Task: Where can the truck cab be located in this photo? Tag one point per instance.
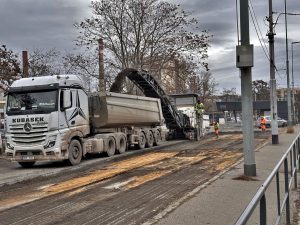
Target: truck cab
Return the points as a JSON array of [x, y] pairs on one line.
[[46, 119]]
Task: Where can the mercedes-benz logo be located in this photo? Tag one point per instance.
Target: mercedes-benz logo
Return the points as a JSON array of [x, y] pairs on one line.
[[27, 127]]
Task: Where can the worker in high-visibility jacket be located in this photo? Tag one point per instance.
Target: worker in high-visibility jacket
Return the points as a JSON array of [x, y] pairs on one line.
[[216, 128], [199, 108], [263, 124]]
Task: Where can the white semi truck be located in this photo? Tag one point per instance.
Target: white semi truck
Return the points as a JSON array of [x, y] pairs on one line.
[[53, 118]]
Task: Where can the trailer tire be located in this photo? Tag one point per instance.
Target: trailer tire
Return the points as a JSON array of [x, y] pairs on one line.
[[111, 146], [122, 144], [142, 140], [150, 139], [27, 164], [75, 152], [157, 137]]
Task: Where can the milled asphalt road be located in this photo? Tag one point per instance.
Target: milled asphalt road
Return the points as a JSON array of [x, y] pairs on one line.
[[222, 201], [12, 172]]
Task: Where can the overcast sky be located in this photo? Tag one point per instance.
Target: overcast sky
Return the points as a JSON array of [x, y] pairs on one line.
[[30, 24]]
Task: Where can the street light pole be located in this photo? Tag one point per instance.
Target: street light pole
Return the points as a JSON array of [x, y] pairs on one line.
[[287, 71], [273, 96], [293, 84]]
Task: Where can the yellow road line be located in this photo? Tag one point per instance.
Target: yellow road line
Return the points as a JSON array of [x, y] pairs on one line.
[[80, 182]]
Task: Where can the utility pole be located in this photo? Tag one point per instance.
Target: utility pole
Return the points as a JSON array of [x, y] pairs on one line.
[[273, 94], [295, 119], [101, 67], [287, 71], [244, 53], [25, 64]]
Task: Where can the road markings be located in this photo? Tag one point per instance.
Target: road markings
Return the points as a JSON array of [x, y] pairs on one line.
[[139, 180], [80, 182], [108, 172], [118, 185]]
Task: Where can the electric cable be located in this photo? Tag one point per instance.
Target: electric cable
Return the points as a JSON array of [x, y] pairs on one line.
[[256, 30], [237, 22], [255, 17]]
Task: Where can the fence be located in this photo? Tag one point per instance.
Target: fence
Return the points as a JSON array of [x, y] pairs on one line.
[[290, 159]]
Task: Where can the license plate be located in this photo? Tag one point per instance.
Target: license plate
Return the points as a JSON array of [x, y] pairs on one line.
[[28, 157]]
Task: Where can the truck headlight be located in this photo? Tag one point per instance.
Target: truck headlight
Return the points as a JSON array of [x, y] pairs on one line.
[[51, 142], [9, 146]]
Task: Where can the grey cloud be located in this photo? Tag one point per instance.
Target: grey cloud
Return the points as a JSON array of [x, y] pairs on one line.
[[27, 24], [39, 24]]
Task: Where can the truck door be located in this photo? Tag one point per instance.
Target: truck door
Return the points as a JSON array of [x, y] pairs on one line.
[[77, 114], [74, 113]]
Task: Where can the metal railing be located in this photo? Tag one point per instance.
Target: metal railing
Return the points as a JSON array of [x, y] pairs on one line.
[[290, 159]]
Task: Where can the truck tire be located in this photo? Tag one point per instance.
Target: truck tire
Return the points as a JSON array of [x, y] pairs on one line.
[[150, 139], [122, 144], [27, 164], [111, 146], [157, 138], [75, 152], [142, 140]]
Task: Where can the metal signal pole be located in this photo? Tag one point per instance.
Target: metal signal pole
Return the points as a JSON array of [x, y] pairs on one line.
[[244, 53], [273, 95]]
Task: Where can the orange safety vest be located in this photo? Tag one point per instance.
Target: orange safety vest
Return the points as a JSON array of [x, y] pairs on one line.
[[263, 123]]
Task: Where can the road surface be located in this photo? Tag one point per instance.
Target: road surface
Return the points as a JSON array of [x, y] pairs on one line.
[[128, 189]]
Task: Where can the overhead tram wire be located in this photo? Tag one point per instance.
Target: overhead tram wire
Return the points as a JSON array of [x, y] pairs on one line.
[[255, 17], [237, 22], [264, 47], [280, 13], [257, 33], [276, 22]]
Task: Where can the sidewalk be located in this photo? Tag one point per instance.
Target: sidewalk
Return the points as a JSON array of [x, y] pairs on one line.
[[223, 200]]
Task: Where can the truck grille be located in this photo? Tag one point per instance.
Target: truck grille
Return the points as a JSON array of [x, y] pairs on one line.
[[36, 136]]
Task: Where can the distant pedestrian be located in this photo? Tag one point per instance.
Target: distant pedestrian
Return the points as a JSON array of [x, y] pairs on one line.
[[216, 128], [263, 124]]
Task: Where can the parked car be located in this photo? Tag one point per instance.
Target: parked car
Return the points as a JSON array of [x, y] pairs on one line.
[[281, 122]]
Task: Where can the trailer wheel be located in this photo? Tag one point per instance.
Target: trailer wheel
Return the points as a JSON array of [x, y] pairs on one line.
[[75, 152], [157, 137], [142, 140], [111, 146], [122, 144], [27, 164], [150, 139]]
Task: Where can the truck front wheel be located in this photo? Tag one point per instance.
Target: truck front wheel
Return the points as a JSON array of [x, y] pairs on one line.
[[26, 164], [75, 152]]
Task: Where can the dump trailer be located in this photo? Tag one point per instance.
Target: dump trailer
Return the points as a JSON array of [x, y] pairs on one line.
[[54, 118]]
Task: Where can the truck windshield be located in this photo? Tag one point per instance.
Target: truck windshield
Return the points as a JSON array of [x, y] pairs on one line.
[[31, 102]]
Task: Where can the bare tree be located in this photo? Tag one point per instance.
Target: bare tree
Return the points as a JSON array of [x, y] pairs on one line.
[[144, 34], [86, 64], [9, 67], [44, 62], [230, 95], [206, 85], [179, 77]]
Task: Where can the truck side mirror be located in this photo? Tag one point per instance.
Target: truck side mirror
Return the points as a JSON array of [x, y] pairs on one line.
[[66, 99]]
